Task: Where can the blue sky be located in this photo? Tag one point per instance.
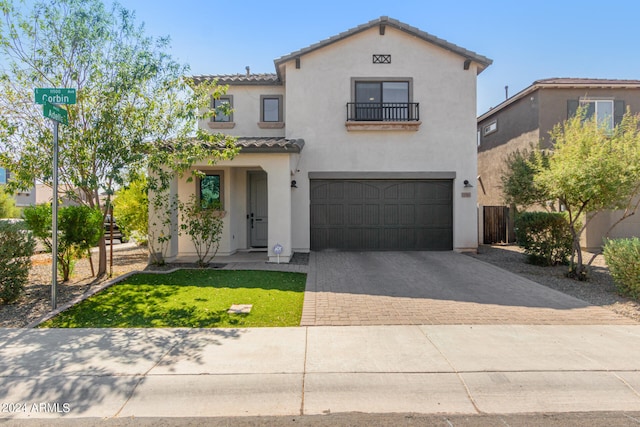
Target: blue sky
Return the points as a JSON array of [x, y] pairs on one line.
[[527, 40]]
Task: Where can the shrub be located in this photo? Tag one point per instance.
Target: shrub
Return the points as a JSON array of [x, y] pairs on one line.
[[545, 237], [623, 258], [16, 248], [79, 228], [204, 226]]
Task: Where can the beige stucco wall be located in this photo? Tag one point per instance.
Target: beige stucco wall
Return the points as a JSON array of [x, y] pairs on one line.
[[317, 95], [492, 164], [235, 195], [246, 114], [600, 224]]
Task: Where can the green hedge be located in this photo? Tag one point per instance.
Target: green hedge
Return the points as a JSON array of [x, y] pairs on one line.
[[545, 237], [623, 258], [16, 248]]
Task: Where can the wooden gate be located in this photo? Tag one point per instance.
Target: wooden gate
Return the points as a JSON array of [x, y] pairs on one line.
[[497, 226]]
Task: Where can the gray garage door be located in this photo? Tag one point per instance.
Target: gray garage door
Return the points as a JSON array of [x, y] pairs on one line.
[[381, 215]]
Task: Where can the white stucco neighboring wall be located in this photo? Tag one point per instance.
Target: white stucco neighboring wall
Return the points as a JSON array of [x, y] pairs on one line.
[[317, 95]]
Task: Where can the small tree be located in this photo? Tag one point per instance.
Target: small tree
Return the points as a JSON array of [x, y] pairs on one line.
[[592, 168], [8, 206], [80, 228], [131, 207], [203, 224], [16, 248], [518, 186]]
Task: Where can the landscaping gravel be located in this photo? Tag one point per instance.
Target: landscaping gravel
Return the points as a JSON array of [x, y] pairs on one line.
[[36, 302], [599, 290]]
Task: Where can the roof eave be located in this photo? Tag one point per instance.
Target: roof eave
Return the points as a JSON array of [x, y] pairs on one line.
[[482, 61]]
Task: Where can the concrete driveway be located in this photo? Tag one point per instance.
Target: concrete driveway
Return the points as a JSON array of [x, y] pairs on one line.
[[433, 288]]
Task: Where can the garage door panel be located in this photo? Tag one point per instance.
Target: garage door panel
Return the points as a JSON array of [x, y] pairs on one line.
[[381, 215]]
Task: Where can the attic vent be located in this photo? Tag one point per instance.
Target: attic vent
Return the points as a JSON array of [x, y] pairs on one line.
[[381, 59]]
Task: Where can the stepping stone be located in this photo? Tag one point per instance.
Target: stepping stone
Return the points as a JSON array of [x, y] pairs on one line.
[[240, 309]]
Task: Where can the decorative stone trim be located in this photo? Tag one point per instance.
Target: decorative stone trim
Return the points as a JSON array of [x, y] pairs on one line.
[[359, 126], [271, 125], [221, 125]]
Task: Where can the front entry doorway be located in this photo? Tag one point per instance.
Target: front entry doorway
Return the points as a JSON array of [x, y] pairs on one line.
[[258, 219]]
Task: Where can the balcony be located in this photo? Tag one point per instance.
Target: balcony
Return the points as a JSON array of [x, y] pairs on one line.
[[383, 116]]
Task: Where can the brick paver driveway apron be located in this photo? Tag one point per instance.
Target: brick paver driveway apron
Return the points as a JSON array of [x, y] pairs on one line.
[[408, 288]]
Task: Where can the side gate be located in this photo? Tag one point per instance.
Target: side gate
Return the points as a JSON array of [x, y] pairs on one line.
[[497, 225]]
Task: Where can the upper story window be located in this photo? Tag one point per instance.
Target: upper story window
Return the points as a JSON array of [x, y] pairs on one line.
[[607, 112], [490, 128], [602, 110], [271, 112], [221, 106], [382, 100], [223, 117]]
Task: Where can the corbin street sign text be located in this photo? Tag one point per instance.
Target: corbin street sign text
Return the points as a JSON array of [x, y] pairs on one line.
[[55, 95]]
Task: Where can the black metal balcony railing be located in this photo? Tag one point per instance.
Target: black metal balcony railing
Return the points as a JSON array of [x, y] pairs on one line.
[[383, 111]]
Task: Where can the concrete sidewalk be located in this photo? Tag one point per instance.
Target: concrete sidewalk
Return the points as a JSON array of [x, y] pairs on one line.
[[434, 369]]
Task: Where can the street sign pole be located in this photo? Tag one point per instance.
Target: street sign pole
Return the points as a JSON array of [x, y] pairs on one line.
[[50, 99], [54, 221]]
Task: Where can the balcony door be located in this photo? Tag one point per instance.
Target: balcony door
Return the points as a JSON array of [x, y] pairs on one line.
[[382, 100]]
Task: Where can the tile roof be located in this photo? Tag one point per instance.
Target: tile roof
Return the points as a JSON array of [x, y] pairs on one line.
[[241, 79], [483, 61], [569, 81], [563, 83], [269, 145]]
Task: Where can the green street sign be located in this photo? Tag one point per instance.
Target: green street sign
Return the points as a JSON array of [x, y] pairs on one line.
[[56, 113], [55, 95]]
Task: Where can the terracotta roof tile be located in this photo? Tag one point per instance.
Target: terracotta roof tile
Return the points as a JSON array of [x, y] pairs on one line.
[[269, 145], [241, 79]]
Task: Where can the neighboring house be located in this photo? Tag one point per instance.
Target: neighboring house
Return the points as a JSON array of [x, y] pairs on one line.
[[363, 141], [38, 194], [525, 119]]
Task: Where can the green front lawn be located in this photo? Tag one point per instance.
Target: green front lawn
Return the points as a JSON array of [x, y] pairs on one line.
[[191, 299]]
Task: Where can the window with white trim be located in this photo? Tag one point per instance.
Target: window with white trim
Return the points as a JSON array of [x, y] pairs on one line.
[[490, 128], [601, 109]]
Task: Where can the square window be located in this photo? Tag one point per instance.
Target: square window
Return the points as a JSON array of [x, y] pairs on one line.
[[271, 108], [222, 108], [602, 110]]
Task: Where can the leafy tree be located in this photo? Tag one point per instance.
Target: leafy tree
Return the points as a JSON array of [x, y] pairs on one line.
[[592, 168], [131, 206], [518, 185], [132, 100], [79, 227], [8, 206]]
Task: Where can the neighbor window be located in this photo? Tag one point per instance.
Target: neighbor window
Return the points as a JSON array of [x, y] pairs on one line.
[[380, 99], [211, 190], [490, 128], [3, 176], [602, 110], [217, 104], [271, 108]]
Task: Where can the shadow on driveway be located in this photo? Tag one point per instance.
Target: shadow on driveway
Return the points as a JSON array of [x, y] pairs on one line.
[[433, 288]]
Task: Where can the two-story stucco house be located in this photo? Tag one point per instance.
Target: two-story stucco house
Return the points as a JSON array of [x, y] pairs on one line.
[[363, 141], [524, 120]]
